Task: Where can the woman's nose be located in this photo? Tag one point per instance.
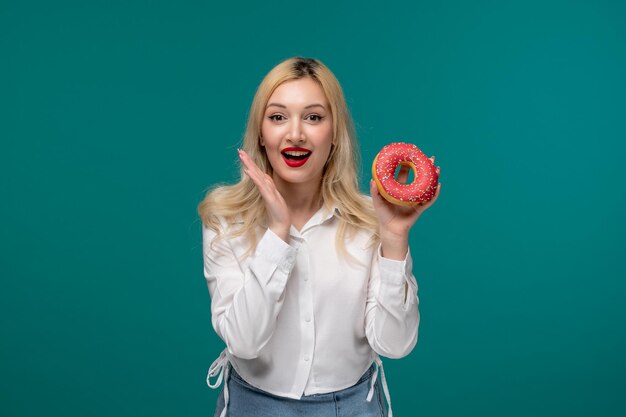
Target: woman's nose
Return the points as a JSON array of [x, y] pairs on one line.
[[295, 132]]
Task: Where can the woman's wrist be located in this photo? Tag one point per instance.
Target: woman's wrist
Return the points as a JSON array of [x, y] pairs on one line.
[[281, 232], [394, 246]]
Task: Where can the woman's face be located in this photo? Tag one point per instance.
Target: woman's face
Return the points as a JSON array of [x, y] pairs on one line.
[[297, 132]]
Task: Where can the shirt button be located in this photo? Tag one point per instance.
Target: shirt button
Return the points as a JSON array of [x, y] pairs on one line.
[[307, 319], [306, 278], [306, 358]]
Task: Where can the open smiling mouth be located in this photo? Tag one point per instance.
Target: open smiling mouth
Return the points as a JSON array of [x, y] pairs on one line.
[[295, 157]]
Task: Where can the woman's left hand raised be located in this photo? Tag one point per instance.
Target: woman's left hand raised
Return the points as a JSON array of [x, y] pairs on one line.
[[396, 221]]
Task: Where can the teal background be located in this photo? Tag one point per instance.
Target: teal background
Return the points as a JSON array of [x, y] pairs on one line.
[[115, 117]]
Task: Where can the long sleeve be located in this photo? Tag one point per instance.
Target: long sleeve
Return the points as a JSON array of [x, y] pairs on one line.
[[246, 294], [391, 314]]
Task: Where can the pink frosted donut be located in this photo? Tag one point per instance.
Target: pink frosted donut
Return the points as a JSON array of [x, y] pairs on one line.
[[424, 185]]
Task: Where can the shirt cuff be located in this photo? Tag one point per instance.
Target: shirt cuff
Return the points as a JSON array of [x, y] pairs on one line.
[[272, 253], [392, 270]]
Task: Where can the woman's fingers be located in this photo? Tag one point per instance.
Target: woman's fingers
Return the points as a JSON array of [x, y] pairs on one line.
[[252, 170], [261, 179], [376, 197], [432, 200], [247, 162]]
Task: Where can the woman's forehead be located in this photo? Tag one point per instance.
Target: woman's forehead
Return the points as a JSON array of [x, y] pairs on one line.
[[303, 93]]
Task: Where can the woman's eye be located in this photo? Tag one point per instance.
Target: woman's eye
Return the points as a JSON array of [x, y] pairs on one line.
[[315, 117], [276, 117]]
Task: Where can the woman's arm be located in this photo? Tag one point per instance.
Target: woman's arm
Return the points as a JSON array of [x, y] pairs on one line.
[[245, 301], [392, 315]]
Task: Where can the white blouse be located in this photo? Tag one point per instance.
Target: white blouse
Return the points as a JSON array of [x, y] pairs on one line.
[[299, 318]]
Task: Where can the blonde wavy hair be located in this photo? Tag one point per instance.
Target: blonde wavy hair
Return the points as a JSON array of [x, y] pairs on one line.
[[242, 202]]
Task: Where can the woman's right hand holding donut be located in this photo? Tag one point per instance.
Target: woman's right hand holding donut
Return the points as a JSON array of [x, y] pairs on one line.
[[278, 217]]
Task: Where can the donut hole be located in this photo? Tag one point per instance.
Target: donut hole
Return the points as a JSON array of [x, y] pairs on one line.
[[411, 177]]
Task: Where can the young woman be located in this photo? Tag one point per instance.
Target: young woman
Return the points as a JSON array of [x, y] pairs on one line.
[[310, 280]]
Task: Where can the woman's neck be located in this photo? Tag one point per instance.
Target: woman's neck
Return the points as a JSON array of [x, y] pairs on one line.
[[303, 200]]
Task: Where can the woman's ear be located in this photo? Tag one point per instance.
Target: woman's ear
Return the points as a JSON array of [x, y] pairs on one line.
[[261, 141]]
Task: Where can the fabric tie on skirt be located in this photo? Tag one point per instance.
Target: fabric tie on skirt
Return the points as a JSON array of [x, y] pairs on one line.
[[379, 363], [220, 367]]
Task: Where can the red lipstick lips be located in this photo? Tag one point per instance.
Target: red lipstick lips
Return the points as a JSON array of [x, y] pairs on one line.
[[295, 157]]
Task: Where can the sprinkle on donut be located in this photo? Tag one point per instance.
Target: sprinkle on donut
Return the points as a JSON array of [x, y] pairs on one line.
[[424, 185]]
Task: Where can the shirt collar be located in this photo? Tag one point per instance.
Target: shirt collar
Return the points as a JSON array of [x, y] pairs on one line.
[[329, 212], [324, 214]]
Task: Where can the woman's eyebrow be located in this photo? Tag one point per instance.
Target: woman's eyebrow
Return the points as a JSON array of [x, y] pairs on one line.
[[284, 107]]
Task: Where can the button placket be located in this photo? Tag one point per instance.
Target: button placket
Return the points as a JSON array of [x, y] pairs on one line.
[[307, 315], [307, 308], [307, 338]]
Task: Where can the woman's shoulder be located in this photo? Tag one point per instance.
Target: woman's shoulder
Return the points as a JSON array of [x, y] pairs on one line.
[[224, 236]]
